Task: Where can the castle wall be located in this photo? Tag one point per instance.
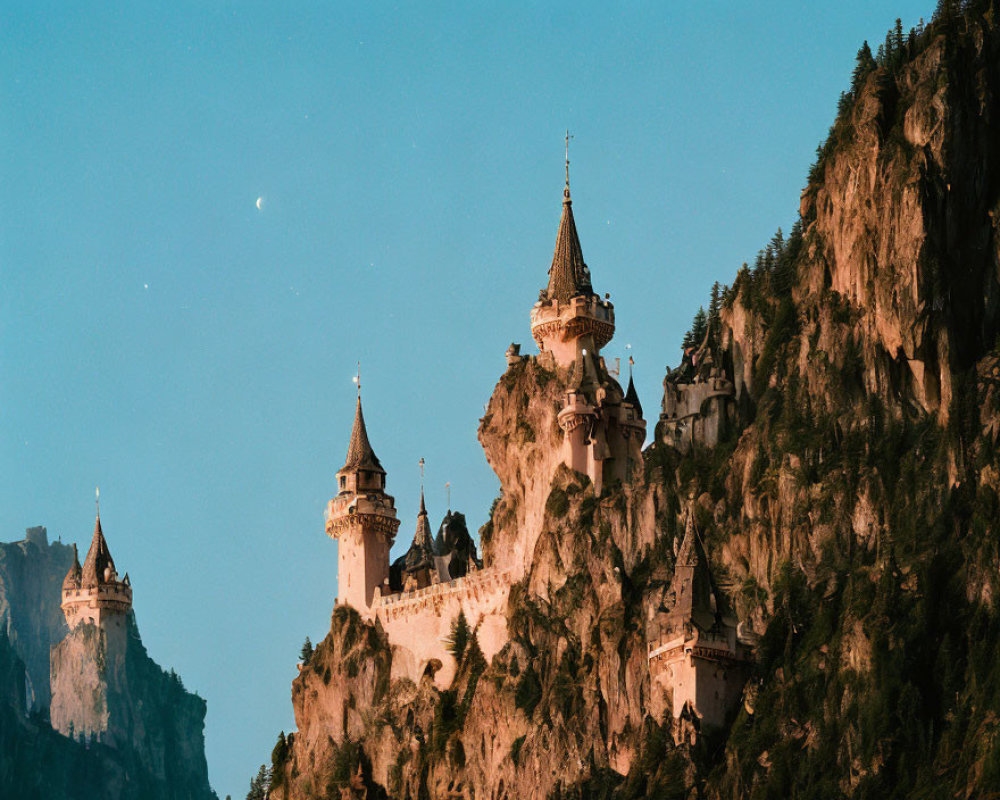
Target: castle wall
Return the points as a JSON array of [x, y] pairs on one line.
[[696, 413], [703, 672], [418, 622]]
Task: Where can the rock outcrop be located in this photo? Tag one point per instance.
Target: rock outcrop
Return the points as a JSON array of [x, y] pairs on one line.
[[31, 574]]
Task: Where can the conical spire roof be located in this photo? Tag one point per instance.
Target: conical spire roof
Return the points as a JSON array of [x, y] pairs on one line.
[[98, 558], [568, 275], [359, 452], [421, 552], [692, 583], [632, 396], [75, 573]]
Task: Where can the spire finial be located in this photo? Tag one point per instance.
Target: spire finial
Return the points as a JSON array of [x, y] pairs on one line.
[[566, 192], [631, 361], [357, 379], [423, 508], [447, 487], [97, 500]]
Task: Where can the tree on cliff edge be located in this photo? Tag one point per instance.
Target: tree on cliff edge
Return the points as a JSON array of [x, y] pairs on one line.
[[260, 785]]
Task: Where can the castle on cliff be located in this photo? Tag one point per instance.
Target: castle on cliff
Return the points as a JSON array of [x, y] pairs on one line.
[[417, 598], [83, 667]]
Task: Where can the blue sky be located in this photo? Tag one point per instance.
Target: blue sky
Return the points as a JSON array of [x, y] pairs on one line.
[[162, 337]]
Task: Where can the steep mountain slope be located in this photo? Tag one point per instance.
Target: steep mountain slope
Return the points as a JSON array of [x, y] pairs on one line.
[[851, 518]]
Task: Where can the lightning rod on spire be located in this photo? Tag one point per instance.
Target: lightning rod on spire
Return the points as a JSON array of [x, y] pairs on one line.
[[97, 499], [568, 137], [357, 380]]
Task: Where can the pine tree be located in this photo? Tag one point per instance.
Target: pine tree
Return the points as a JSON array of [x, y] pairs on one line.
[[260, 785], [714, 304], [458, 638], [897, 40], [864, 63], [307, 651], [699, 326]]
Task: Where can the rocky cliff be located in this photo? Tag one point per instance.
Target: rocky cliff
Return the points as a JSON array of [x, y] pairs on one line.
[[851, 517], [151, 743], [31, 575]]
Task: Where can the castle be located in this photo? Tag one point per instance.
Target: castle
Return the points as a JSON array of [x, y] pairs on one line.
[[84, 665], [417, 598], [697, 652], [93, 593]]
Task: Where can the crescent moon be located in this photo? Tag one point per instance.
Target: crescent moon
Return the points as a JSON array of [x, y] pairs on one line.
[[260, 203]]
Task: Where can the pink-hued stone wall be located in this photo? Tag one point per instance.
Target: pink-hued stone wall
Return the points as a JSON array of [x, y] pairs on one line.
[[418, 623]]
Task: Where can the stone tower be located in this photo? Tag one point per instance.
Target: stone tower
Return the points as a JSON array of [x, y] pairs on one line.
[[697, 655], [569, 317], [87, 668], [603, 428], [362, 517], [94, 593]]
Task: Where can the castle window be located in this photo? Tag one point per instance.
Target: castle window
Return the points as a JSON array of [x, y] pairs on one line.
[[343, 482]]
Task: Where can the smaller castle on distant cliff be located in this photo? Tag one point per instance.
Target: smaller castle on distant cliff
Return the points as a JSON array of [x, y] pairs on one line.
[[84, 666], [94, 593]]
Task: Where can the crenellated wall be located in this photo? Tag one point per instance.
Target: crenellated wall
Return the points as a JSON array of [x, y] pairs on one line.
[[419, 622]]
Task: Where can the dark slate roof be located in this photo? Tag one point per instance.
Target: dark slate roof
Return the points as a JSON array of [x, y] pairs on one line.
[[359, 452], [568, 275], [421, 552], [98, 558], [693, 601], [632, 396], [75, 573]]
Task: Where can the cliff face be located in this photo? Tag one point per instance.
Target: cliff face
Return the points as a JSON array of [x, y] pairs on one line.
[[31, 575], [120, 727], [851, 518]]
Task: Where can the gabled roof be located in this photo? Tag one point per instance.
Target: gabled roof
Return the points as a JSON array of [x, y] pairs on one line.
[[98, 558], [359, 452], [421, 552], [568, 275]]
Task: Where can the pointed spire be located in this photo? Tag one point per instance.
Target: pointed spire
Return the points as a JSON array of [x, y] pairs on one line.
[[72, 579], [98, 558], [359, 452], [568, 275], [694, 596], [688, 555], [421, 552], [632, 396]]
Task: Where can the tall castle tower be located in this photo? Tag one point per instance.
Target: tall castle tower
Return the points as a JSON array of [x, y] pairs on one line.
[[362, 517], [603, 428], [93, 593], [569, 317]]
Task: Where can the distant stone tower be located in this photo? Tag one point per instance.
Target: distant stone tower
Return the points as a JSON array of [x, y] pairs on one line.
[[362, 517], [94, 593], [602, 425], [86, 669], [697, 651]]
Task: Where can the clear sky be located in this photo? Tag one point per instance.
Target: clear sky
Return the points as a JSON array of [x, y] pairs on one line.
[[192, 354]]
